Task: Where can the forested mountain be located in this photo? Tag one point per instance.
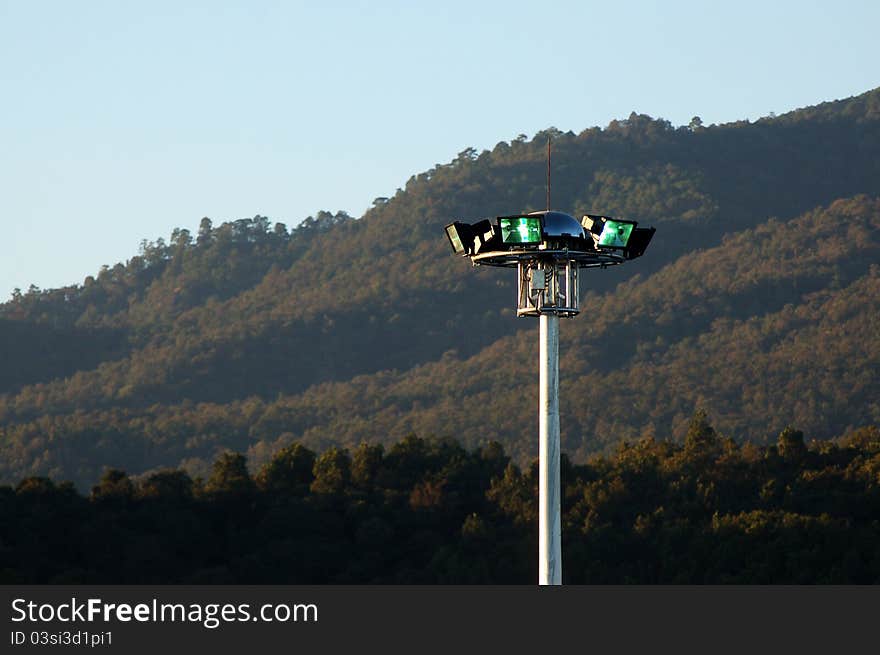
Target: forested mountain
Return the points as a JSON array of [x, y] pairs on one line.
[[756, 300]]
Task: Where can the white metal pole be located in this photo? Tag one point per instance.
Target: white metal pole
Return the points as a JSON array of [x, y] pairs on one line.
[[549, 518]]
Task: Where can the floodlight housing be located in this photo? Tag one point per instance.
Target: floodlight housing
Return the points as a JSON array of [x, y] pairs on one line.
[[486, 236], [468, 240], [613, 234], [593, 224], [460, 237], [638, 241]]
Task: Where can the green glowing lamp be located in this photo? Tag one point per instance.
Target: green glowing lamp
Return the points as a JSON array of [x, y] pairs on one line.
[[520, 229]]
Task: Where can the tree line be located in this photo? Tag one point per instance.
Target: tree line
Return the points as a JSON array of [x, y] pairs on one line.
[[707, 510]]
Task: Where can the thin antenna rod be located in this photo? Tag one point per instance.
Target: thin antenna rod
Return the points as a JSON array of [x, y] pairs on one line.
[[548, 172]]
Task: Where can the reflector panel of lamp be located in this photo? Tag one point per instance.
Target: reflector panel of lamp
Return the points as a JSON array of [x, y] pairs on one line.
[[520, 229], [615, 234]]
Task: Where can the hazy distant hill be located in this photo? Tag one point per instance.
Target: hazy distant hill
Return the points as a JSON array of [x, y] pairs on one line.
[[248, 335]]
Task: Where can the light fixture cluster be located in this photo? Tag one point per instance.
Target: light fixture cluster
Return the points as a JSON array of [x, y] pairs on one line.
[[549, 230]]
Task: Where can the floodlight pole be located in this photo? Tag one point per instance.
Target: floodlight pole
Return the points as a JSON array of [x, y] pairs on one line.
[[547, 287], [549, 515]]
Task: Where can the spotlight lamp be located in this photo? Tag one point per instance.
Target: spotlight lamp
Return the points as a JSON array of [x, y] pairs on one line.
[[616, 234], [472, 239], [523, 230]]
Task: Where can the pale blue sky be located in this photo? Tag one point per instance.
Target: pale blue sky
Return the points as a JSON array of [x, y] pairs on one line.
[[120, 120]]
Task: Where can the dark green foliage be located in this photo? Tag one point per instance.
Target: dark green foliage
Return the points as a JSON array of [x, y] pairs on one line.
[[230, 477], [115, 486], [791, 444], [428, 511], [169, 485], [290, 471], [332, 472]]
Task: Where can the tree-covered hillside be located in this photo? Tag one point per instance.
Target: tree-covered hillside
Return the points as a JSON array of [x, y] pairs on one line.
[[248, 335]]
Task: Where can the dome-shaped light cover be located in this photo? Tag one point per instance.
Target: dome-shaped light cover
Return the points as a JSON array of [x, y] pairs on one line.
[[559, 224]]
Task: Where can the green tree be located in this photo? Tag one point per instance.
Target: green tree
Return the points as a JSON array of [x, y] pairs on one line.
[[332, 472], [115, 485], [791, 444], [168, 485], [701, 437], [206, 234], [230, 477], [290, 471], [366, 465]]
